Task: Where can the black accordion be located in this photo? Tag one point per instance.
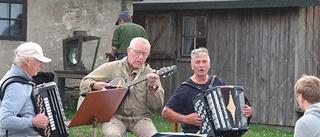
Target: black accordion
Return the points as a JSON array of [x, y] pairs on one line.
[[221, 110], [47, 100]]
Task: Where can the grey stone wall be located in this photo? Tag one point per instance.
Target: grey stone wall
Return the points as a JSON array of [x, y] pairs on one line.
[[50, 21]]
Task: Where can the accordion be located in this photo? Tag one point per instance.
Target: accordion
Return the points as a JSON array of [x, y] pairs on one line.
[[221, 111], [47, 100]]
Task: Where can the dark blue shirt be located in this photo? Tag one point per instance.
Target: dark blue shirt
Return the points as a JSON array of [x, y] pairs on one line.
[[181, 100]]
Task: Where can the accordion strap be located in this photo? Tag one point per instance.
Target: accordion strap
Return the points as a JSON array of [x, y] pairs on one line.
[[213, 79], [13, 79], [17, 79]]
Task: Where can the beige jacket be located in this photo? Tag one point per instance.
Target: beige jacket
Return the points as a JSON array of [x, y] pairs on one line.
[[140, 100]]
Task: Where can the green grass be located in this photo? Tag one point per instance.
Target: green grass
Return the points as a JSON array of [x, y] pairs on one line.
[[255, 130]]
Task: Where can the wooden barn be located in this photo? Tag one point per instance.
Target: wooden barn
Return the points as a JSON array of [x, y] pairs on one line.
[[262, 45]]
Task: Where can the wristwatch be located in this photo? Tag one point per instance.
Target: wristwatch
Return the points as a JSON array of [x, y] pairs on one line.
[[153, 87]]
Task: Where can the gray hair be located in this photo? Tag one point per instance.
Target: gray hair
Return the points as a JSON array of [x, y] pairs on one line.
[[202, 51], [142, 40], [18, 60]]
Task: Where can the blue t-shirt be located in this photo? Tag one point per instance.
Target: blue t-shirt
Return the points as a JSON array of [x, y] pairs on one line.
[[181, 100]]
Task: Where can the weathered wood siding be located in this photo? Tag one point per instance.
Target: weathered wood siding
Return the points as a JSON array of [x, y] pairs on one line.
[[266, 51], [251, 48], [263, 50]]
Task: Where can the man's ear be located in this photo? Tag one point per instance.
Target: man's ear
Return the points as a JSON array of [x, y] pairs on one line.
[[120, 21], [27, 61]]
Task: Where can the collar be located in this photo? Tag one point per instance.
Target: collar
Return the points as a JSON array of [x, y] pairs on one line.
[[125, 62], [17, 71]]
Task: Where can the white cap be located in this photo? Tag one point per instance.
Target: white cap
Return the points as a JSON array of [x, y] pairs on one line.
[[31, 49]]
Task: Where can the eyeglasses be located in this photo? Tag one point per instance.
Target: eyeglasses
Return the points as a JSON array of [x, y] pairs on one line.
[[138, 52]]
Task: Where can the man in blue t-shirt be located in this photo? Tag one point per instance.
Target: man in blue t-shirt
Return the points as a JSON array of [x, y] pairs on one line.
[[180, 108]]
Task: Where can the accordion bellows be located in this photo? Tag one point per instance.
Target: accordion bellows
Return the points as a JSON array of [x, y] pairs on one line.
[[48, 101], [221, 110]]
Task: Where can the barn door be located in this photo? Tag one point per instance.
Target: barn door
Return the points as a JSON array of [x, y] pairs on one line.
[[162, 36]]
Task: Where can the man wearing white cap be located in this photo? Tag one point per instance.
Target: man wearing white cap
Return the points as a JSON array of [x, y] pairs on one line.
[[17, 116]]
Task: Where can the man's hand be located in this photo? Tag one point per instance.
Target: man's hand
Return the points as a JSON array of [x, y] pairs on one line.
[[152, 78], [247, 111], [40, 121], [193, 119], [100, 85], [113, 51]]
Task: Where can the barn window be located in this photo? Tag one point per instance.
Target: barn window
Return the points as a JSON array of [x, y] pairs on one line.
[[13, 19], [194, 33]]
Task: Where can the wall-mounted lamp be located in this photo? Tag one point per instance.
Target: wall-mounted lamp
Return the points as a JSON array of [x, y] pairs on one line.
[[80, 51]]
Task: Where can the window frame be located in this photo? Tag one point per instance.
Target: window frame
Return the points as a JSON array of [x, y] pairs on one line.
[[23, 35], [193, 36]]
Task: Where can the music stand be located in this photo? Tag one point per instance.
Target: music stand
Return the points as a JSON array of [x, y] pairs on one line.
[[98, 107], [178, 134]]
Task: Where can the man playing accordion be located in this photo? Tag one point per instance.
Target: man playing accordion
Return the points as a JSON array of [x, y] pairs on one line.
[[180, 107], [17, 115]]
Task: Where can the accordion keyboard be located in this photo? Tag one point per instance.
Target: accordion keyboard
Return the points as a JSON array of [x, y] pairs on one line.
[[200, 108], [48, 101]]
